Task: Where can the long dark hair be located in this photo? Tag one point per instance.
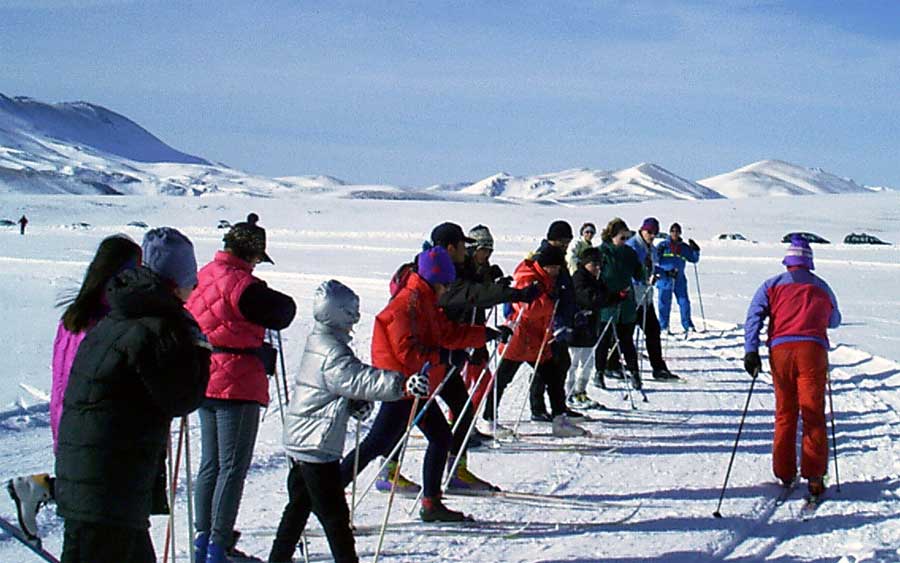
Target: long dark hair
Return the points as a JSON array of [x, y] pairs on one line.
[[114, 254]]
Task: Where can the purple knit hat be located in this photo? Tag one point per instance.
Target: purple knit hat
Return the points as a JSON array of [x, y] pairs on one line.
[[651, 225], [799, 254], [436, 266]]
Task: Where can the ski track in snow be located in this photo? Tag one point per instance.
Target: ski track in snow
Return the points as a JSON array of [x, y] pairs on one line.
[[668, 463]]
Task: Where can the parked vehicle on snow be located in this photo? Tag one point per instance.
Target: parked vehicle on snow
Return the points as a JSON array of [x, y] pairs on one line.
[[808, 237], [863, 238]]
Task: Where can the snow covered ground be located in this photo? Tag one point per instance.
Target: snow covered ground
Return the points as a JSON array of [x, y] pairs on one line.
[[664, 475]]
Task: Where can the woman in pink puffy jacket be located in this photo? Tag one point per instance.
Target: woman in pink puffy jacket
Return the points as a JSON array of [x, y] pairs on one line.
[[115, 253]]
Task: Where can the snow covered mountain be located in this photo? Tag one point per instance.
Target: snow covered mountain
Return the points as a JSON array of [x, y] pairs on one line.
[[81, 123], [778, 178], [643, 182]]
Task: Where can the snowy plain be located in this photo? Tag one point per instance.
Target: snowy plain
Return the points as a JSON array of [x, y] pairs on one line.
[[670, 455]]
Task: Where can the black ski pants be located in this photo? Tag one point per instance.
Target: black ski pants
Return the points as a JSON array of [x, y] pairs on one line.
[[388, 429], [544, 382], [649, 325], [549, 373], [625, 332], [87, 542], [316, 488]]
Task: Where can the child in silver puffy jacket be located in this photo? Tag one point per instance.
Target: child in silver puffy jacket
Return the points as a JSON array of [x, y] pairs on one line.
[[331, 385]]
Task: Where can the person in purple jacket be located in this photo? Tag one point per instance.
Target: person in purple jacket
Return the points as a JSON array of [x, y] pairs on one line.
[[115, 254], [801, 308]]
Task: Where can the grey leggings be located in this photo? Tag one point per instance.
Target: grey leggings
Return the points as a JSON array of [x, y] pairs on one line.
[[228, 434]]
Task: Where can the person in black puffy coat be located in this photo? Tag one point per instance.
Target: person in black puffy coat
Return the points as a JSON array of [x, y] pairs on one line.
[[142, 365]]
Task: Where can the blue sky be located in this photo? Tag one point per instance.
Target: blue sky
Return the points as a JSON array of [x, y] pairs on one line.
[[415, 93]]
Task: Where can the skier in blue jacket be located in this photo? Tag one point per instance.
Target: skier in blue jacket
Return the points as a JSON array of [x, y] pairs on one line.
[[673, 252]]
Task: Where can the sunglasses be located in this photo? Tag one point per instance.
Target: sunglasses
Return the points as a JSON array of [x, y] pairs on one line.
[[590, 232]]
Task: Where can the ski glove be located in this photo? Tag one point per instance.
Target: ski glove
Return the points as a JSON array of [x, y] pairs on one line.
[[360, 409], [694, 246], [582, 319], [752, 363], [417, 385], [457, 358], [501, 333]]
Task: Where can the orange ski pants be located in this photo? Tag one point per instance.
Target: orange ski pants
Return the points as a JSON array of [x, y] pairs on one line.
[[473, 372], [799, 372]]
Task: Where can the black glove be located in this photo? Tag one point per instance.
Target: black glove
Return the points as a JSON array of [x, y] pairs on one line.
[[360, 409], [479, 356], [582, 319], [752, 363], [495, 273], [694, 246], [491, 334], [528, 294], [456, 358]]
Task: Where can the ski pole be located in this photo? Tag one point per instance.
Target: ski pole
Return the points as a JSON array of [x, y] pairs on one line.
[[355, 473], [629, 384], [537, 364], [737, 438], [173, 474], [699, 295], [278, 383], [837, 476], [284, 384], [399, 444], [404, 442], [186, 421]]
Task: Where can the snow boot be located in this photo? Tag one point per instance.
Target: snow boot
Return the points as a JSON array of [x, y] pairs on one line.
[[235, 555], [563, 428], [465, 480], [433, 510], [201, 545], [30, 493], [386, 479]]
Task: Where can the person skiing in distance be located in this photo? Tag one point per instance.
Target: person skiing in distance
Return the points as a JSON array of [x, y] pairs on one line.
[[801, 308], [590, 295], [234, 308], [577, 246], [530, 341], [23, 222], [114, 255], [143, 364], [411, 333], [559, 235], [673, 252], [642, 244], [330, 386], [620, 266]]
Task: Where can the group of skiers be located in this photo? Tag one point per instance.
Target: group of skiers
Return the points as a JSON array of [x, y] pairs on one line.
[[149, 338]]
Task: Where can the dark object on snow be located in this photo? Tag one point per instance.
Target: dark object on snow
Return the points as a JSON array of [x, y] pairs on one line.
[[23, 222], [863, 238], [808, 237], [733, 236], [7, 223], [223, 224], [139, 224], [80, 225]]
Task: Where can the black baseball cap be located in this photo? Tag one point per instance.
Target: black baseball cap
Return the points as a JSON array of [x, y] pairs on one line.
[[449, 233]]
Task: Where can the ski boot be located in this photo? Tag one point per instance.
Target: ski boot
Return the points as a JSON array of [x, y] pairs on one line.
[[465, 480], [816, 486], [586, 402], [663, 374], [541, 417], [563, 428], [433, 510], [201, 546], [30, 493], [386, 479]]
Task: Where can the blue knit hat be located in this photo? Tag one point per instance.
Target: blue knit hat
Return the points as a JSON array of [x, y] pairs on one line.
[[799, 254], [436, 266], [171, 255]]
